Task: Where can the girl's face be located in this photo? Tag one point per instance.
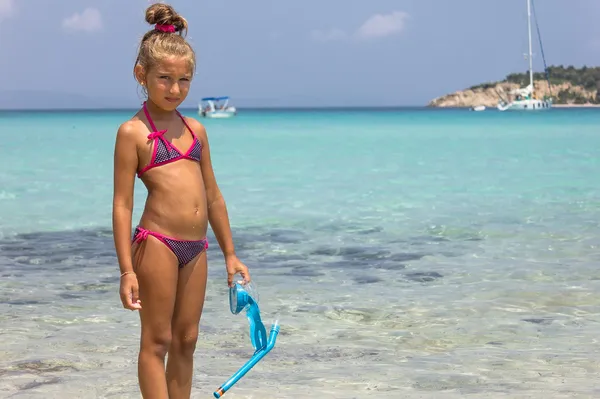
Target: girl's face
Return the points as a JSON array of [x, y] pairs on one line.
[[167, 83]]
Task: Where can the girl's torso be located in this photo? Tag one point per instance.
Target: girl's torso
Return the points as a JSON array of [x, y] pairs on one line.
[[169, 167]]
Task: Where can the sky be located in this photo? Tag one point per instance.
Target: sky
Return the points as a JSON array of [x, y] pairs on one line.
[[271, 53]]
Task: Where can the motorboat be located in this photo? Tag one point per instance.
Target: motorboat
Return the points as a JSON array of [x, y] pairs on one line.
[[216, 107]]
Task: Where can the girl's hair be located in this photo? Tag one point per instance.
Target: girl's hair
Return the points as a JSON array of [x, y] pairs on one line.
[[165, 39]]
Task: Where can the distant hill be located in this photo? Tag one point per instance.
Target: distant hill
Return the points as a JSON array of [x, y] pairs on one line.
[[568, 85], [12, 100], [49, 100]]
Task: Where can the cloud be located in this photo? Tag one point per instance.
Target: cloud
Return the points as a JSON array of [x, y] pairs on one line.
[[328, 35], [90, 20], [7, 8], [375, 27], [382, 25]]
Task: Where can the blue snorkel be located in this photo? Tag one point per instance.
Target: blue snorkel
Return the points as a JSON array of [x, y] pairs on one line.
[[239, 299]]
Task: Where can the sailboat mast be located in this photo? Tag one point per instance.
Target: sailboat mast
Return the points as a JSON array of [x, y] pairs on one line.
[[530, 49]]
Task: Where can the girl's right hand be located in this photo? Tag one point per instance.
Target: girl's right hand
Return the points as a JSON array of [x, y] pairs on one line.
[[130, 292]]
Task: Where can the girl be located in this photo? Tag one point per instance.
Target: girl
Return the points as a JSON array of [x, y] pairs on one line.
[[167, 257]]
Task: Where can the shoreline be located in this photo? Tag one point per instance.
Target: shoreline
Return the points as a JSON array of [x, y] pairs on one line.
[[587, 105]]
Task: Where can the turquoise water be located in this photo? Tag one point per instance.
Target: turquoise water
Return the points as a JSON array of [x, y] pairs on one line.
[[414, 253]]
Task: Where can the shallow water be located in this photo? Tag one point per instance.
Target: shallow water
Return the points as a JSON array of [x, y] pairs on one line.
[[437, 256]]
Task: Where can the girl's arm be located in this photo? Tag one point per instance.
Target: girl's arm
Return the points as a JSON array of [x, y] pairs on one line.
[[125, 167], [217, 210]]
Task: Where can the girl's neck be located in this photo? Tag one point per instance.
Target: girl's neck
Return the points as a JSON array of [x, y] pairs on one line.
[[157, 112]]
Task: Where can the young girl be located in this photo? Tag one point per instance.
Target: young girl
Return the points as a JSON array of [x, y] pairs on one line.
[[163, 268]]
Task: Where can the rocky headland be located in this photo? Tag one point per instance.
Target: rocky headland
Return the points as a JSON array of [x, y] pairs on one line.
[[567, 86]]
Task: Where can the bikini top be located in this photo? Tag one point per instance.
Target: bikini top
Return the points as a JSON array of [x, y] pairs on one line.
[[164, 152]]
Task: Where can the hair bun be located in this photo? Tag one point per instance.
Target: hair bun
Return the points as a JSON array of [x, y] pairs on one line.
[[164, 14]]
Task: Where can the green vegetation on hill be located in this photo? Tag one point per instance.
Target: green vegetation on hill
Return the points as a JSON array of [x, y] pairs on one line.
[[587, 78]]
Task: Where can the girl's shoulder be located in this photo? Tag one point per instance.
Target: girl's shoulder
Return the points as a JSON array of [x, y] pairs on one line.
[[132, 129]]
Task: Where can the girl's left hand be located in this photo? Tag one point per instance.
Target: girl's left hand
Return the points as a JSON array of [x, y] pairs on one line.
[[234, 265]]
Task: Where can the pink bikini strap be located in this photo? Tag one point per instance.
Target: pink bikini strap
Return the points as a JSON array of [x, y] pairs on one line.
[[185, 123], [149, 118], [156, 133], [141, 235]]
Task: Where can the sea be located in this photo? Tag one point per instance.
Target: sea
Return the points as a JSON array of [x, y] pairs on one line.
[[405, 253]]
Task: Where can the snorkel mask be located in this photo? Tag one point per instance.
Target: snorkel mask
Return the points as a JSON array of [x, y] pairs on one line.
[[243, 296]]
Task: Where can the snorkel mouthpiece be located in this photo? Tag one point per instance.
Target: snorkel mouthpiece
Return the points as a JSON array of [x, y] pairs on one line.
[[241, 297]]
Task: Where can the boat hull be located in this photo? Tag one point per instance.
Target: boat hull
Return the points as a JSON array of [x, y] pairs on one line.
[[526, 105], [219, 114]]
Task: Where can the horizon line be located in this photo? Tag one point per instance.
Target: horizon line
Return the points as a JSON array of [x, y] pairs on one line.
[[253, 108]]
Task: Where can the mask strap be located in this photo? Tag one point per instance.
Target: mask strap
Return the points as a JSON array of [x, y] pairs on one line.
[[258, 333]]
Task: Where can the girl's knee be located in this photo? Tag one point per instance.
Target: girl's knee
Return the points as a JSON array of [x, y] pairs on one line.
[[184, 340], [157, 344]]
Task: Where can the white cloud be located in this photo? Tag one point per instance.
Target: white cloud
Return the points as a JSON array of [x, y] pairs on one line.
[[7, 8], [328, 35], [376, 26], [90, 20], [381, 25]]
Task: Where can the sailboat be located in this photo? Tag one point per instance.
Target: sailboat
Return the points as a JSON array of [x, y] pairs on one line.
[[525, 98]]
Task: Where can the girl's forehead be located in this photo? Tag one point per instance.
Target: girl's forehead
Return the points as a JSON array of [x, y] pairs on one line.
[[177, 65]]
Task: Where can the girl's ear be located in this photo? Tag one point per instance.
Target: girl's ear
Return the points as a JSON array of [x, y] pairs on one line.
[[140, 74]]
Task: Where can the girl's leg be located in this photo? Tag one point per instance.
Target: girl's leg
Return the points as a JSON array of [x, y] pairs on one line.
[[157, 274], [186, 318]]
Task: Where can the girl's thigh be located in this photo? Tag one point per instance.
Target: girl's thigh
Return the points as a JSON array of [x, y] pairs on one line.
[[157, 272], [189, 302]]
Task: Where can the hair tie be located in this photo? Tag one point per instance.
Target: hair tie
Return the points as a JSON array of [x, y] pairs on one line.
[[165, 28]]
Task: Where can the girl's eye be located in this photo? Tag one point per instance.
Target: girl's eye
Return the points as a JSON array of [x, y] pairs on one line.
[[164, 77]]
